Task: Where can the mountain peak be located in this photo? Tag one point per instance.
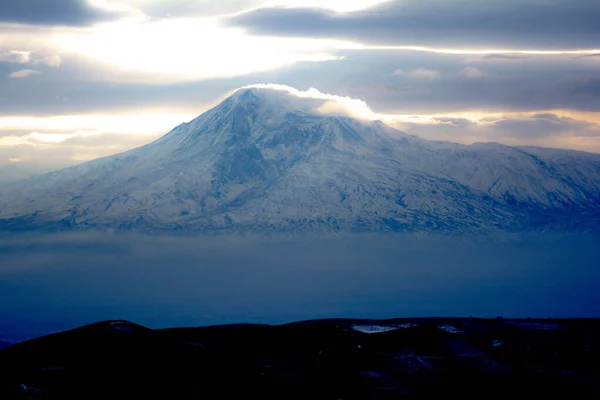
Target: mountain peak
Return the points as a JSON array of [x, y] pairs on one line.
[[261, 114], [249, 95], [261, 97], [268, 160]]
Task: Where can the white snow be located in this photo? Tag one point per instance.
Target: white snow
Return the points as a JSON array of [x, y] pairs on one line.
[[449, 329], [407, 326], [259, 161], [369, 329]]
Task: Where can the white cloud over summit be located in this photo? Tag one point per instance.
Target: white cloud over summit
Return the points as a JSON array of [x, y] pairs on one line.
[[334, 104]]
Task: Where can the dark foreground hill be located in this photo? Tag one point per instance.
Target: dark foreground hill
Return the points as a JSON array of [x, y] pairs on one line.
[[332, 359]]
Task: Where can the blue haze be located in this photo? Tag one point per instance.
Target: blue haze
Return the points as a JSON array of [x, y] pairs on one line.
[[54, 282]]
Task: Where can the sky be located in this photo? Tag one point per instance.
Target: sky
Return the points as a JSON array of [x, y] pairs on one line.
[[82, 79]]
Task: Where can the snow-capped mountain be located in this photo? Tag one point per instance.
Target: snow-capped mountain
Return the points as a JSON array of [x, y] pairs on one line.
[[265, 161]]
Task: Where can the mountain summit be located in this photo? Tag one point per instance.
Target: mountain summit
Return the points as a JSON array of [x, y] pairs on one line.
[[267, 161]]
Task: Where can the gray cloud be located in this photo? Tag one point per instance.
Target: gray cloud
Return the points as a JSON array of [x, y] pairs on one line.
[[23, 73], [51, 12], [25, 132], [455, 122], [544, 125], [35, 157], [30, 58], [530, 84], [523, 24], [81, 85], [187, 8], [534, 83], [547, 130], [12, 132], [503, 57]]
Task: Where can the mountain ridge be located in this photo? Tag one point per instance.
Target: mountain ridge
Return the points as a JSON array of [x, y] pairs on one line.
[[267, 161]]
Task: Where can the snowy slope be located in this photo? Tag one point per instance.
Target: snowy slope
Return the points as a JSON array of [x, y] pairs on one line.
[[265, 161]]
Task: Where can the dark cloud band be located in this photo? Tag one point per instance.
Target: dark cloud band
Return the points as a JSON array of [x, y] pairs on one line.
[[526, 24], [51, 12]]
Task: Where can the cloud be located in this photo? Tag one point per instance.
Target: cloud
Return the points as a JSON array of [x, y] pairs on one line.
[[334, 5], [472, 73], [82, 87], [24, 73], [420, 73], [15, 56], [160, 51], [191, 8], [135, 123], [542, 129], [535, 83], [56, 137], [503, 57], [454, 122], [333, 104], [40, 152], [206, 8], [30, 57], [42, 144], [53, 12], [545, 125], [512, 24], [53, 60]]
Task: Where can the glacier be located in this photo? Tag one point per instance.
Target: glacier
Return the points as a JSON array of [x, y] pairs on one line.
[[268, 162]]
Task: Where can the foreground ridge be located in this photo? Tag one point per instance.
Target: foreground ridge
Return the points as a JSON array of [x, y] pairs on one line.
[[325, 359]]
